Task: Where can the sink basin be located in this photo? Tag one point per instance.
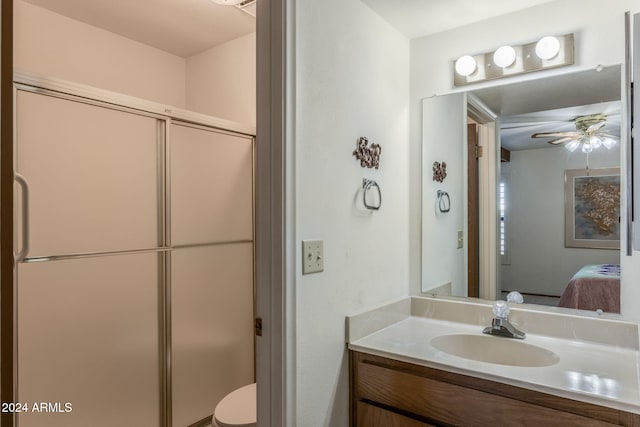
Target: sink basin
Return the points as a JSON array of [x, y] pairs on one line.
[[502, 351]]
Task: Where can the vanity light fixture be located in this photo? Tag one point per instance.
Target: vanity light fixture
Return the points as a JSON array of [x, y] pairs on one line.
[[510, 60]]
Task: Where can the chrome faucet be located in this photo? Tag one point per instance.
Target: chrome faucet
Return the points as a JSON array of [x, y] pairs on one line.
[[500, 325]]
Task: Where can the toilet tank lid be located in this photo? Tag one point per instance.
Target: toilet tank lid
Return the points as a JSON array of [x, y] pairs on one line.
[[238, 408]]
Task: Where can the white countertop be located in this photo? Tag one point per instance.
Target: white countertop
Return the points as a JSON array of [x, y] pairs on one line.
[[588, 370]]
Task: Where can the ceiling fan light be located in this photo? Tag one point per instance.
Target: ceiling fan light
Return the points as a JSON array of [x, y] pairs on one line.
[[587, 148], [504, 56], [547, 47], [466, 65], [595, 142], [609, 143], [572, 145]]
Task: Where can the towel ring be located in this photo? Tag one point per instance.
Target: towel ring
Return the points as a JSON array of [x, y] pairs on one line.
[[367, 184], [444, 205]]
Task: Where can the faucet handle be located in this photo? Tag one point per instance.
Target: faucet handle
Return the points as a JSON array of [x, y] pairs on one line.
[[515, 296], [501, 309]]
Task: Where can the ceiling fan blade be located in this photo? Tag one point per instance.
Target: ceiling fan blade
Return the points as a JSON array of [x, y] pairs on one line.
[[561, 140], [556, 134], [606, 135], [525, 124], [596, 126]]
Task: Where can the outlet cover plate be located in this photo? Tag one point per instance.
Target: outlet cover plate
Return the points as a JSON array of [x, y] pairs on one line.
[[312, 256]]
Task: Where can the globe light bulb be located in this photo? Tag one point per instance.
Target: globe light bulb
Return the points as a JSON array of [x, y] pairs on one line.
[[572, 145], [587, 148], [595, 142], [466, 65], [547, 47], [504, 56]]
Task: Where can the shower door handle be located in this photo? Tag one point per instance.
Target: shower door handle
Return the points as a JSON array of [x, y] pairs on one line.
[[24, 185]]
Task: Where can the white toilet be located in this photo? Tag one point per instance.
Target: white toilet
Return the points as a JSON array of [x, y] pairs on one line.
[[238, 408]]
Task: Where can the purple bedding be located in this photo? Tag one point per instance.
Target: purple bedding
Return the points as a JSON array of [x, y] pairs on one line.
[[594, 287]]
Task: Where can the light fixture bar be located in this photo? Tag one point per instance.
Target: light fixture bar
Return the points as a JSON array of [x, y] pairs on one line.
[[548, 52]]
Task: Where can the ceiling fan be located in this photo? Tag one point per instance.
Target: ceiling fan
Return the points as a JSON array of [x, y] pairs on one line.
[[588, 133]]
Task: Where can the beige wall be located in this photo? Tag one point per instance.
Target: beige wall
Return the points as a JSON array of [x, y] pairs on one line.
[[56, 46], [351, 80], [221, 81]]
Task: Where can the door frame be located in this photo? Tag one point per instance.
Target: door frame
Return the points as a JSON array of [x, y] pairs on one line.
[[274, 192], [488, 177], [473, 154], [7, 310]]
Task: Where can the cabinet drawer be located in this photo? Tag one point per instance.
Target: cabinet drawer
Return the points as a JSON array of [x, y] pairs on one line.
[[453, 404], [372, 416]]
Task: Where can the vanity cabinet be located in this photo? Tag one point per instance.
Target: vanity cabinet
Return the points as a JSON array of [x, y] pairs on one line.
[[387, 392]]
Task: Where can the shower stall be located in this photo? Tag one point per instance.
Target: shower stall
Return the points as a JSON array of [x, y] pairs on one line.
[[134, 259]]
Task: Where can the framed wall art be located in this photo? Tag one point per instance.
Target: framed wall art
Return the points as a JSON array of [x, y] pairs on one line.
[[592, 208]]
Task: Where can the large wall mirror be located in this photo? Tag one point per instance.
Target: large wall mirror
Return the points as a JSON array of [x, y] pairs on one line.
[[539, 211]]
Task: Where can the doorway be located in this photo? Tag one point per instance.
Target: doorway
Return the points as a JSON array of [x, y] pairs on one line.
[[482, 200]]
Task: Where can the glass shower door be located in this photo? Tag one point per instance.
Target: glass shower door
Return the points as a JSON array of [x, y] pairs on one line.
[[211, 268], [92, 175], [90, 268], [89, 342]]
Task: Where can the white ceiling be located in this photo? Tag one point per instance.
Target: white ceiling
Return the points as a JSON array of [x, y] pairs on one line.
[[187, 27], [417, 18], [551, 104], [516, 131], [181, 27]]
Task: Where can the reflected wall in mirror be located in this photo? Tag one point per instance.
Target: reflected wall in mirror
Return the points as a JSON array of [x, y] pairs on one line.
[[517, 214]]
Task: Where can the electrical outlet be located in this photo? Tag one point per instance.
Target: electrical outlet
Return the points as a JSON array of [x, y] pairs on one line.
[[460, 239], [312, 256]]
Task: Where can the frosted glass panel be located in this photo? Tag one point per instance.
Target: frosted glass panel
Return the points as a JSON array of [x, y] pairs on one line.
[[212, 335], [92, 173], [211, 186], [88, 335]]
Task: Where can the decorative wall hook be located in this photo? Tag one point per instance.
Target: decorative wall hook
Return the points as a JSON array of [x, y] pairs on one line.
[[368, 184], [369, 156], [444, 202], [439, 171]]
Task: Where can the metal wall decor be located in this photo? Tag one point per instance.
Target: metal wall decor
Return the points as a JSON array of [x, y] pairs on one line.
[[439, 171], [369, 156]]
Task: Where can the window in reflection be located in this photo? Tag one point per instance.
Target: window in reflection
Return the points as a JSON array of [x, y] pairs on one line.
[[503, 201]]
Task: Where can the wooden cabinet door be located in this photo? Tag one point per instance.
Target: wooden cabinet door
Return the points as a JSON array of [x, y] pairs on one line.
[[373, 416]]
